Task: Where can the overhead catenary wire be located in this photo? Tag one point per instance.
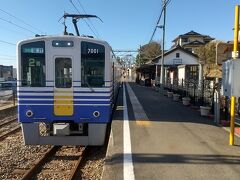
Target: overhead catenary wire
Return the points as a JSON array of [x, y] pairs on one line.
[[7, 55], [6, 42], [83, 19], [4, 57], [88, 19], [7, 59], [37, 29], [156, 26], [10, 22], [14, 31]]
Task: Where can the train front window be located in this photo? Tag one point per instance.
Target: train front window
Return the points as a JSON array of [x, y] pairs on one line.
[[63, 73], [92, 64], [33, 64]]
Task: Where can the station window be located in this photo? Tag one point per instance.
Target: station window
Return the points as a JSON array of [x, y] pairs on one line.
[[177, 55], [92, 64], [193, 72], [33, 69], [63, 73]]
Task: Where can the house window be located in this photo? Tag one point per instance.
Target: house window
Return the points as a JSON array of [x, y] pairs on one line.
[[177, 55], [185, 39], [189, 49]]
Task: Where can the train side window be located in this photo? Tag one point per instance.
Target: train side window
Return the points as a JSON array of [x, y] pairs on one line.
[[92, 64], [33, 69], [63, 73]]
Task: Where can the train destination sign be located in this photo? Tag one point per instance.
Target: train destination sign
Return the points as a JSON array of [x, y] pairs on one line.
[[33, 50]]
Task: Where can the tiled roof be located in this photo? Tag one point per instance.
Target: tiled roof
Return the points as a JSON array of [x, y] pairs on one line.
[[193, 33]]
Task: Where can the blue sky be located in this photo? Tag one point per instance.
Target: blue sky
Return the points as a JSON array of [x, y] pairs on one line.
[[127, 24]]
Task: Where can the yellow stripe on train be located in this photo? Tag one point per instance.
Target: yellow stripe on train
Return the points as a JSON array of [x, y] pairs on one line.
[[63, 105]]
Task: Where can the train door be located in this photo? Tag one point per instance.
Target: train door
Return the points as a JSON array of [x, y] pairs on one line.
[[63, 90]]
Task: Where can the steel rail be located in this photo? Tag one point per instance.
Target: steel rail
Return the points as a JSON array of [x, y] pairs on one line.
[[3, 136], [7, 122], [74, 171], [31, 172]]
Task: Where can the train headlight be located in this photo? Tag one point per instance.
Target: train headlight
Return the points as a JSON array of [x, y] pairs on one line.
[[29, 113], [96, 113]]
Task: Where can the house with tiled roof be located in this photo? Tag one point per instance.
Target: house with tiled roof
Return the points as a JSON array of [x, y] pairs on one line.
[[191, 40], [180, 62]]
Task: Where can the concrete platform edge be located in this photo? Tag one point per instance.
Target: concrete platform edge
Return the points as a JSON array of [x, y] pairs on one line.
[[109, 153]]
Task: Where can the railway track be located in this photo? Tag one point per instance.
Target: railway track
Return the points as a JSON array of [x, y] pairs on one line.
[[7, 122], [9, 127], [42, 167]]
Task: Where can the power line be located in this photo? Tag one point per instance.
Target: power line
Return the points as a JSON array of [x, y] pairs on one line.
[[17, 25], [7, 55], [22, 21], [6, 42], [11, 30], [7, 59], [125, 50], [83, 19], [168, 1], [88, 19]]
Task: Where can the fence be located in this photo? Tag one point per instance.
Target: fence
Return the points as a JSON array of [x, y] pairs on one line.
[[200, 92]]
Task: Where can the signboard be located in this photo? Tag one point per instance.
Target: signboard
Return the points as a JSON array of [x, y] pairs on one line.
[[34, 50], [177, 61]]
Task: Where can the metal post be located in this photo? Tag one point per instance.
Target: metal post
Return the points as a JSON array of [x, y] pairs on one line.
[[200, 74], [217, 93], [14, 103], [235, 56], [162, 62], [156, 80], [216, 106]]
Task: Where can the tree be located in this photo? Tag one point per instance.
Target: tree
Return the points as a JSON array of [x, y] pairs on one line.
[[148, 52], [207, 55]]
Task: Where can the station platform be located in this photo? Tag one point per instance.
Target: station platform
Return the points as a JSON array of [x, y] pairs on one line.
[[153, 137]]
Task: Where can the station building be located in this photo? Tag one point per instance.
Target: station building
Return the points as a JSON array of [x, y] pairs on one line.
[[180, 62]]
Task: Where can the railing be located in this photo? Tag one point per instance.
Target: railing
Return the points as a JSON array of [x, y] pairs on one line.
[[200, 92]]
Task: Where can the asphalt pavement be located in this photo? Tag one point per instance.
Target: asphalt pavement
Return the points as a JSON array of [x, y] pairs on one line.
[[167, 141]]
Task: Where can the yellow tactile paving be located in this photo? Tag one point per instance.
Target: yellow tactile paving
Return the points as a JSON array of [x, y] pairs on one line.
[[143, 122]]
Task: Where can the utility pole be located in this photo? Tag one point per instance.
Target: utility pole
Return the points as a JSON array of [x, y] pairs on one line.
[[162, 77], [235, 56]]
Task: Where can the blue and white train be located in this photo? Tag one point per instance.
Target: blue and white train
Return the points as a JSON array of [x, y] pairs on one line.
[[67, 86]]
